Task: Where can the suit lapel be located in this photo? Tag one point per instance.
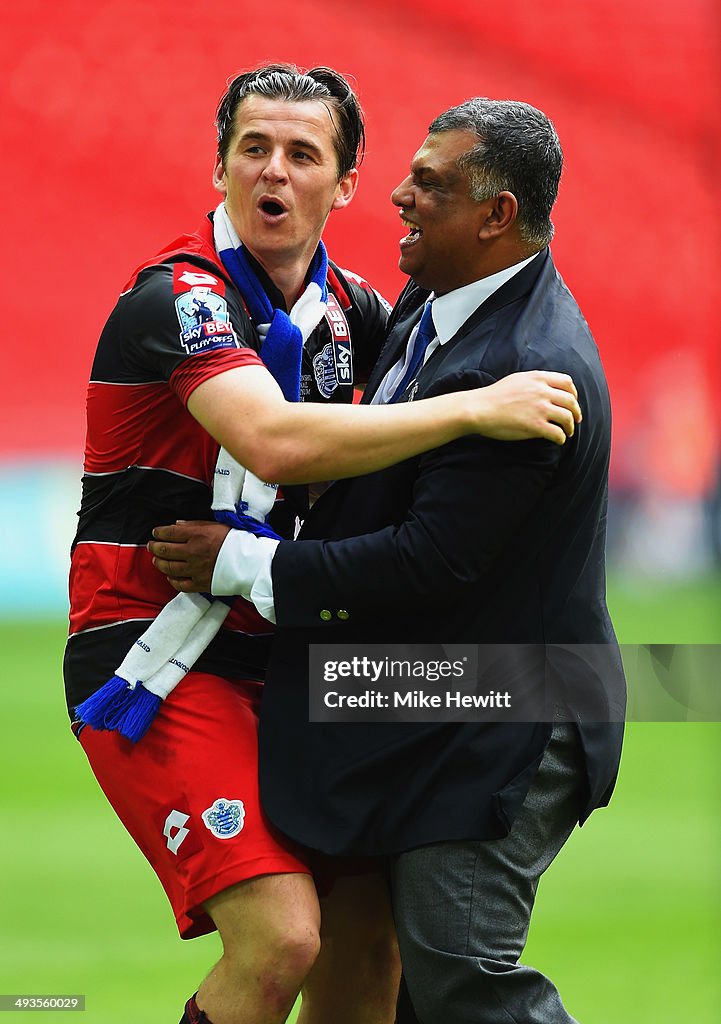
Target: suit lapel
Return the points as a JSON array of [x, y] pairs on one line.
[[519, 286], [408, 311]]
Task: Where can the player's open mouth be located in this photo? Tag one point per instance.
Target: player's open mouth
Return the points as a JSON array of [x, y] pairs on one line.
[[414, 233], [271, 208]]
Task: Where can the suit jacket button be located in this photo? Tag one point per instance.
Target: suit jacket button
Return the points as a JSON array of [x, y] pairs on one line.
[[343, 614], [325, 615]]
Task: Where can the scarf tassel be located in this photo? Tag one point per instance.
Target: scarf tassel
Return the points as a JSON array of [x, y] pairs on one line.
[[119, 707]]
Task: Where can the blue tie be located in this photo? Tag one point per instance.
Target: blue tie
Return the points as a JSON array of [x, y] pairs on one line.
[[425, 335]]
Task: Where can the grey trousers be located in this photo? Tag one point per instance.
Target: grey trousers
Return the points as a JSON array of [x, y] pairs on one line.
[[463, 909]]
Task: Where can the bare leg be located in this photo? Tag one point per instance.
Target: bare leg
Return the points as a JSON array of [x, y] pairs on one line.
[[269, 927], [355, 978]]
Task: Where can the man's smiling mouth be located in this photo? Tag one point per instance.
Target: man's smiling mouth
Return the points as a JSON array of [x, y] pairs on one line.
[[414, 233]]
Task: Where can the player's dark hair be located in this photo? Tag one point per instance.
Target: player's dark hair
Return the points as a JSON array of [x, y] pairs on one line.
[[287, 82], [517, 151]]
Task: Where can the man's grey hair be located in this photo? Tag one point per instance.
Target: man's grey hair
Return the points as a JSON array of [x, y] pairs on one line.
[[517, 151]]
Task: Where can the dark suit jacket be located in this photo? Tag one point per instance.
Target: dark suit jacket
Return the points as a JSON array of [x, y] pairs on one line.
[[476, 542]]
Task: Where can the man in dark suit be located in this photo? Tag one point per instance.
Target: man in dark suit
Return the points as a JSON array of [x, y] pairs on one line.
[[481, 542]]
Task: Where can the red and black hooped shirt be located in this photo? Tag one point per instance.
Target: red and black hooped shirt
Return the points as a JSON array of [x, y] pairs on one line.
[[179, 322]]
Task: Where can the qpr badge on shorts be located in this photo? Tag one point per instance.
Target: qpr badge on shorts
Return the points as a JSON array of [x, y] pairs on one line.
[[225, 818]]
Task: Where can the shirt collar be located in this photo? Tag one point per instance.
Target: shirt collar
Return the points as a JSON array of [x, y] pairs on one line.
[[450, 311]]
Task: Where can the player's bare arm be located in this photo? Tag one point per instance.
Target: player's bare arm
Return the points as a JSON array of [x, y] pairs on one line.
[[521, 406], [279, 441]]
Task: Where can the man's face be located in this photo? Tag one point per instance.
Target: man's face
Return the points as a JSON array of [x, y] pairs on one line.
[[280, 178], [442, 247]]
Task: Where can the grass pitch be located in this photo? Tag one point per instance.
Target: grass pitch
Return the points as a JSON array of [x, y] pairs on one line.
[[628, 919]]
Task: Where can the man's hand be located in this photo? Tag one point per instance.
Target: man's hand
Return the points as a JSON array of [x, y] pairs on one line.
[[536, 403], [186, 553]]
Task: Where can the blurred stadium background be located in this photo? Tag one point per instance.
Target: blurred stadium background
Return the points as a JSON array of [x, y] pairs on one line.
[[107, 110]]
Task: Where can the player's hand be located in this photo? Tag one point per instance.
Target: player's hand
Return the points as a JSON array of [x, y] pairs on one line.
[[536, 403], [186, 553]]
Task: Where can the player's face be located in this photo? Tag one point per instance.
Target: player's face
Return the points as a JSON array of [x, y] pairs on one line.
[[441, 249], [280, 178]]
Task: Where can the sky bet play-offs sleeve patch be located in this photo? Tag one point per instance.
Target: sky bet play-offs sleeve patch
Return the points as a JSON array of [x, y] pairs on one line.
[[202, 310]]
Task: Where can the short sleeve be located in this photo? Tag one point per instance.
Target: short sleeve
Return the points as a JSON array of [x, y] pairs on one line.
[[182, 323]]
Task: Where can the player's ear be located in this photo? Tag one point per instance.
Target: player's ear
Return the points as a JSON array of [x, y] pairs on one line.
[[501, 215], [219, 177], [346, 190]]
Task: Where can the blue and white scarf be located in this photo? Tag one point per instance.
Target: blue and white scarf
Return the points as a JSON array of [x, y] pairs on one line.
[[180, 633]]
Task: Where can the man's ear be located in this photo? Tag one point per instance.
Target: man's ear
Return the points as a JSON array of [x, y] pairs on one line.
[[502, 214], [219, 177], [346, 190]]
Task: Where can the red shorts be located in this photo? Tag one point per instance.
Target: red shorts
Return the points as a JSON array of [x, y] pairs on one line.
[[188, 794]]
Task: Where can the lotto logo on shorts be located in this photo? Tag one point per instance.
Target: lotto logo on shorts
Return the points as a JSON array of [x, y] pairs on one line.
[[225, 819], [175, 831]]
